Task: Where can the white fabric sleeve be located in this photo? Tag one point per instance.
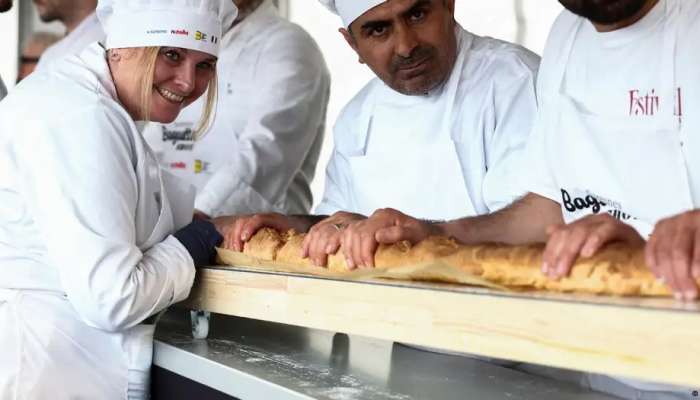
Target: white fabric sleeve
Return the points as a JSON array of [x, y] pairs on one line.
[[335, 194], [293, 90], [539, 178], [80, 180], [515, 109]]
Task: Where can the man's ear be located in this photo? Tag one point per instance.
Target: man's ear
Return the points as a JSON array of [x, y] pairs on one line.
[[351, 41]]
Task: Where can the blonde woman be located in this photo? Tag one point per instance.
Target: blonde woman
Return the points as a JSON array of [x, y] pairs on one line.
[[94, 240]]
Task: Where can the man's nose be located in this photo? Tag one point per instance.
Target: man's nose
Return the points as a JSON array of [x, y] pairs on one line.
[[406, 41]]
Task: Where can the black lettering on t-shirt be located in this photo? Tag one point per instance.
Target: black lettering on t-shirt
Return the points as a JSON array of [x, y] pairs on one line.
[[581, 203]]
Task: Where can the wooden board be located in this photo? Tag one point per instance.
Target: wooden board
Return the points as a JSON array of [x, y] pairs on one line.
[[651, 339]]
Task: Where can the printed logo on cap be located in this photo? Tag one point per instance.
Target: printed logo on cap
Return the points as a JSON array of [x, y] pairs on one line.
[[192, 24], [201, 36]]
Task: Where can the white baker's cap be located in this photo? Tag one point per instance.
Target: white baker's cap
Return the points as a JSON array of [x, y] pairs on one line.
[[190, 24], [350, 10]]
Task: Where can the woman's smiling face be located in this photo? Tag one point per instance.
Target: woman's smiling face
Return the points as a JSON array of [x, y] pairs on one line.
[[180, 77]]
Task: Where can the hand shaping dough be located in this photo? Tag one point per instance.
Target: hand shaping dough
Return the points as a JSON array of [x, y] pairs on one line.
[[265, 244]]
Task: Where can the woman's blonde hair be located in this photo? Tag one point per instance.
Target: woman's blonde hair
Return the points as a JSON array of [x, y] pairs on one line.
[[148, 58]]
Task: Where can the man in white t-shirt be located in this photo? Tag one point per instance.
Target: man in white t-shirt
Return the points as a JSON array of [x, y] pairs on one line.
[[611, 154], [82, 27]]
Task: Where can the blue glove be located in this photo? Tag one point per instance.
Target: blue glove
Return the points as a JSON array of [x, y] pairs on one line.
[[200, 238]]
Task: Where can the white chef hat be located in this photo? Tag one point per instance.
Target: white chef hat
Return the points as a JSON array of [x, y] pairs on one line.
[[350, 10], [190, 24]]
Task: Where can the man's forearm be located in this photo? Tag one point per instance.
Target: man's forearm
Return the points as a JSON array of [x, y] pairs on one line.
[[525, 221]]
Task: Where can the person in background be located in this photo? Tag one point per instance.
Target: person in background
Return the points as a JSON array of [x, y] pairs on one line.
[[5, 5], [82, 26], [35, 47], [261, 151], [439, 133], [95, 239], [611, 158]]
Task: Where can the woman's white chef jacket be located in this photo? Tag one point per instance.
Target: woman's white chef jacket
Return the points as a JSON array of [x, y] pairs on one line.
[[262, 150], [453, 153], [621, 142], [85, 248]]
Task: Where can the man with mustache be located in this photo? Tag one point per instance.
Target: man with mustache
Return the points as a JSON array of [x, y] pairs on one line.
[[611, 157], [5, 5], [438, 134]]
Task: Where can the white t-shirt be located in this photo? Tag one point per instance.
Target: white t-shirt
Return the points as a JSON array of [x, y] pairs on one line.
[[630, 81], [600, 71], [631, 76]]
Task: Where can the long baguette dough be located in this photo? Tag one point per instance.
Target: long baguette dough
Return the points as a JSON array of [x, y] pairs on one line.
[[617, 270]]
